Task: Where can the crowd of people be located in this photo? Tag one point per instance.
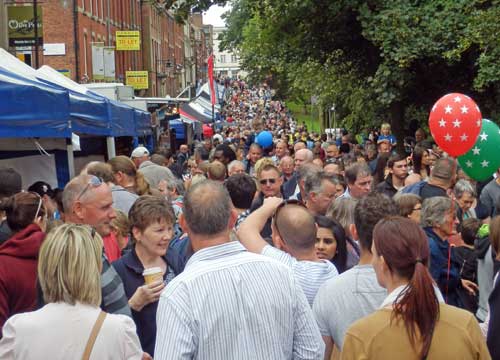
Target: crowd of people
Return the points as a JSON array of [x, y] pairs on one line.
[[315, 246]]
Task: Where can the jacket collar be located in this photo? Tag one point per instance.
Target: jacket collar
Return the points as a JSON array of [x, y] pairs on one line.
[[131, 260]]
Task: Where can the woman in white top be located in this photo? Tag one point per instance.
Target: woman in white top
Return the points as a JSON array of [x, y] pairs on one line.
[[69, 270]]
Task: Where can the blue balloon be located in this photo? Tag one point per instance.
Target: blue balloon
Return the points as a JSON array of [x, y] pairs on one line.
[[264, 139]]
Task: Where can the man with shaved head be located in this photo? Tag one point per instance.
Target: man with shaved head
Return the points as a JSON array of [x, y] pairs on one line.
[[233, 284], [294, 237], [291, 187]]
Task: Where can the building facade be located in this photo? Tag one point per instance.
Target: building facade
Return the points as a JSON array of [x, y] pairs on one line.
[[226, 62], [80, 40]]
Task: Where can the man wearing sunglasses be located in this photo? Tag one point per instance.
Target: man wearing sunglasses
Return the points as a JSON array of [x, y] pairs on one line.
[[87, 200], [294, 238]]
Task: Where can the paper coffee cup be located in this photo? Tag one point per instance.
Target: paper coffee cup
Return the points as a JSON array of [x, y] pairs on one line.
[[152, 275]]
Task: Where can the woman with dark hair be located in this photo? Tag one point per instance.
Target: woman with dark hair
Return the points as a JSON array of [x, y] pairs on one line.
[[380, 173], [27, 218], [412, 322], [331, 242], [421, 165]]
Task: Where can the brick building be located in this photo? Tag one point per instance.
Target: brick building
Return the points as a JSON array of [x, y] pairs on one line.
[[71, 28]]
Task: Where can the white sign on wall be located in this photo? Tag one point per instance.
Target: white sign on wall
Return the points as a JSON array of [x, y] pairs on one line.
[[54, 49]]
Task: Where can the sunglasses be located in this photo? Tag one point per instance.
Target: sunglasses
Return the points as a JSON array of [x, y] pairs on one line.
[[94, 181], [281, 206], [267, 181]]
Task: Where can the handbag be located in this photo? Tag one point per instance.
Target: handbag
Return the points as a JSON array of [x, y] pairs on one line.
[[93, 335]]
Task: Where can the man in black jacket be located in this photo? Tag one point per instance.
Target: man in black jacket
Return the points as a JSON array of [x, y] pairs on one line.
[[398, 171]]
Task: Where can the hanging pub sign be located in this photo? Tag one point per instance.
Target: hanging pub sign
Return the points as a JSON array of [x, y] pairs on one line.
[[21, 25]]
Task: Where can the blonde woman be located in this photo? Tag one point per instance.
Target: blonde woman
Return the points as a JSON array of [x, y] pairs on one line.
[[69, 273]]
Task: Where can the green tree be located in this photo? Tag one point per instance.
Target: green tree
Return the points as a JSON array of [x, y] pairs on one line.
[[386, 60]]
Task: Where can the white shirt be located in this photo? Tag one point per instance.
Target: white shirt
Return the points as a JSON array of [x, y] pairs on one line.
[[310, 274], [232, 304], [60, 331]]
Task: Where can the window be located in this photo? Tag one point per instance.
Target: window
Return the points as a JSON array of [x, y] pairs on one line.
[[234, 58], [223, 59]]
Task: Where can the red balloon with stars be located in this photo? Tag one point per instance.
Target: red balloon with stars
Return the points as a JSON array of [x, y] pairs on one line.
[[455, 122]]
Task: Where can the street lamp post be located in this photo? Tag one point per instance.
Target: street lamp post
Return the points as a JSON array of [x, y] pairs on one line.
[[334, 121]]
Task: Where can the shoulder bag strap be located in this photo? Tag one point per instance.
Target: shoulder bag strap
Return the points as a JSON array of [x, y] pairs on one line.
[[93, 335]]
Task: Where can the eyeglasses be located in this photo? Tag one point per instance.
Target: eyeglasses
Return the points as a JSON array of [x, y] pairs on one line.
[[266, 181], [94, 181], [281, 206]]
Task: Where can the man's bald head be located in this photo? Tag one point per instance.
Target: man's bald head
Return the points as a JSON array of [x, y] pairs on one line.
[[296, 227], [303, 156]]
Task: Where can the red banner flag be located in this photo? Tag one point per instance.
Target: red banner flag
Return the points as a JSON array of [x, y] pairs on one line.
[[211, 83]]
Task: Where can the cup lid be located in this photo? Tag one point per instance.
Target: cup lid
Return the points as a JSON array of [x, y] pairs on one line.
[[150, 271]]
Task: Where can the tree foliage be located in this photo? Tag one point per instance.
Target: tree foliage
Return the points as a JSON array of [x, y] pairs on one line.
[[376, 60]]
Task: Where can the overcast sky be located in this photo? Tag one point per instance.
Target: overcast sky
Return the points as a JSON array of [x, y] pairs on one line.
[[212, 16]]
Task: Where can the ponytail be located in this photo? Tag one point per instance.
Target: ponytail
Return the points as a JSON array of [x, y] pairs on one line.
[[405, 249], [141, 185], [418, 306]]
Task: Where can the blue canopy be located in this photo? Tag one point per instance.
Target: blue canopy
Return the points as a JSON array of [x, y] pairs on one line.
[[122, 119], [32, 109], [89, 114], [142, 122]]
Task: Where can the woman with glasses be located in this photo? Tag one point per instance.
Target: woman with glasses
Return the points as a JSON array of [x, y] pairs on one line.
[[69, 271], [412, 322], [26, 217], [151, 221], [410, 206]]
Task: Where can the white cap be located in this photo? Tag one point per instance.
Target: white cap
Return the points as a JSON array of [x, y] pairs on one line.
[[218, 137], [139, 151]]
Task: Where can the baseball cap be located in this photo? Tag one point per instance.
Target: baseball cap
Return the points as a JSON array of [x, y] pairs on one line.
[[41, 188], [139, 151], [10, 182]]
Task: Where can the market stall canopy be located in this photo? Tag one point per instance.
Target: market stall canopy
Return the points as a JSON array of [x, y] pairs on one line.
[[142, 122], [32, 109], [88, 114]]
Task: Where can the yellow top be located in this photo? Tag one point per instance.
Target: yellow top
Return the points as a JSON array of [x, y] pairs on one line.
[[456, 336]]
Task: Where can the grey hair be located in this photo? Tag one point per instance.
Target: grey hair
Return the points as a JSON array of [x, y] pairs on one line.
[[314, 183], [462, 186], [342, 210], [308, 170], [434, 210], [207, 208], [355, 171], [233, 163], [178, 185], [73, 189]]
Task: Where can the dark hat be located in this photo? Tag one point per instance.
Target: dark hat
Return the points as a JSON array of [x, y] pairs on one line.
[[10, 182], [41, 188]]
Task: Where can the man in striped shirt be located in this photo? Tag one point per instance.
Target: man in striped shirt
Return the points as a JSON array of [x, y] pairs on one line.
[[294, 237], [229, 303]]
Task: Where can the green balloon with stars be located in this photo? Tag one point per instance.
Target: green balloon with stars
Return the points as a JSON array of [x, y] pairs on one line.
[[483, 159]]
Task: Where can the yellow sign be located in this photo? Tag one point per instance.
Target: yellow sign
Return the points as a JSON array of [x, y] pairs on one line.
[[137, 79], [128, 40]]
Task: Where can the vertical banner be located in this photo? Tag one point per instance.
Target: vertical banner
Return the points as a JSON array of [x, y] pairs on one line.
[[98, 61], [211, 78], [109, 63]]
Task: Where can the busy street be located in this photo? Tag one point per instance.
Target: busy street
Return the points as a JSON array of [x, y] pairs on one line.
[[219, 180]]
